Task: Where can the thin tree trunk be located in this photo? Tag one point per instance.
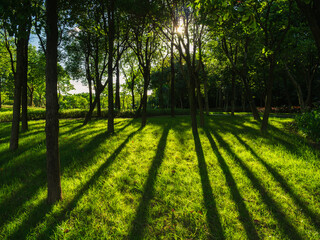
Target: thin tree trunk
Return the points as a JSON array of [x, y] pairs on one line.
[[233, 94], [52, 107], [172, 95], [110, 68], [267, 110], [287, 92], [297, 87], [132, 92], [24, 89], [117, 100], [145, 96], [200, 102], [14, 140], [90, 92]]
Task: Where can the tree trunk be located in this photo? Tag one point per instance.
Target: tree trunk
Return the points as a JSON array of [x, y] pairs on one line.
[[233, 92], [200, 102], [267, 110], [110, 67], [287, 92], [145, 96], [90, 92], [117, 103], [192, 102], [52, 107], [252, 104], [161, 104], [132, 92], [172, 96], [24, 86], [14, 140], [31, 97], [297, 87], [93, 105], [98, 106]]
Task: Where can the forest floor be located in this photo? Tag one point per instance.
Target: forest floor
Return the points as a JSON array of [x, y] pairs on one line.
[[163, 182]]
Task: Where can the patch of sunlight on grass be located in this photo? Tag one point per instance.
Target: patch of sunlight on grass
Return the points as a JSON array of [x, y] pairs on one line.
[[161, 182]]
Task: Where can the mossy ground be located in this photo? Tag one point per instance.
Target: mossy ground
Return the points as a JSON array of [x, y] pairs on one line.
[[162, 182]]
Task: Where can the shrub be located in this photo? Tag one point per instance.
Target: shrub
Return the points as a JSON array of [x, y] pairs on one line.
[[309, 123]]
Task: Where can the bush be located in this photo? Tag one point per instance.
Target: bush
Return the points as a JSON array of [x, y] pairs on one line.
[[309, 123]]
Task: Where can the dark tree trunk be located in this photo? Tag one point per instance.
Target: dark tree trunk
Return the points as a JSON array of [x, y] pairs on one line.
[[199, 101], [192, 102], [132, 92], [298, 89], [24, 86], [161, 104], [172, 95], [98, 106], [267, 110], [90, 92], [92, 106], [287, 92], [145, 95], [52, 107], [233, 93], [14, 140], [117, 100], [110, 67], [31, 103]]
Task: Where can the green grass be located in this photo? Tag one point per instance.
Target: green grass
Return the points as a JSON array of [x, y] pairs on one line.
[[161, 182]]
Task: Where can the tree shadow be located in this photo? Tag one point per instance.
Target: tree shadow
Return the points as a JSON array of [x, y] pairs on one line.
[[245, 217], [57, 218], [11, 205], [315, 218], [140, 221], [272, 205], [213, 216]]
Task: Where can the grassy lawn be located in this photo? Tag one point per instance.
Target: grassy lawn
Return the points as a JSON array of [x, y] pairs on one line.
[[161, 182]]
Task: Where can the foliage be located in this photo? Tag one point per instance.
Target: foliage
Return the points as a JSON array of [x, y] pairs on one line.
[[309, 123]]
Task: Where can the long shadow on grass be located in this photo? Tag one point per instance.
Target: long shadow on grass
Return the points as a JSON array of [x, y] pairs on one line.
[[10, 206], [237, 198], [272, 205], [274, 136], [62, 215], [213, 216], [315, 218], [140, 221]]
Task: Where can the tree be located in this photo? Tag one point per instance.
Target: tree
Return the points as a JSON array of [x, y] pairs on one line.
[[52, 107]]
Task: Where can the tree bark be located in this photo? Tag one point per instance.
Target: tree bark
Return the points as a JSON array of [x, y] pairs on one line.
[[14, 140], [199, 101], [117, 100], [145, 95], [297, 87], [233, 93], [110, 67], [132, 91], [267, 110], [172, 95], [52, 107], [24, 89]]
